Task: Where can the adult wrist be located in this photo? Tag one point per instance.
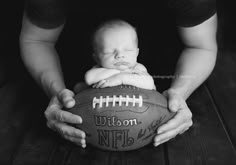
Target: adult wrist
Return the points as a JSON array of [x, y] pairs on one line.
[[53, 88], [56, 87], [180, 92]]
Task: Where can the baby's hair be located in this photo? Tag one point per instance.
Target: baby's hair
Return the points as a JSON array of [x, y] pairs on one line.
[[111, 24]]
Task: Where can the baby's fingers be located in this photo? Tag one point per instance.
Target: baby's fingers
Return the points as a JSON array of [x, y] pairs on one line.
[[101, 83]]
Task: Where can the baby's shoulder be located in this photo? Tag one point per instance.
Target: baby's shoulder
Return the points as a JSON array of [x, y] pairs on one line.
[[140, 66]]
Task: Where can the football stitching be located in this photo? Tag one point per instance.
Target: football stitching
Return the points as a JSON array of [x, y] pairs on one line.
[[117, 99]]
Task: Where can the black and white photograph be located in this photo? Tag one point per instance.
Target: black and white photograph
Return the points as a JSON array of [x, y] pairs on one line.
[[118, 82]]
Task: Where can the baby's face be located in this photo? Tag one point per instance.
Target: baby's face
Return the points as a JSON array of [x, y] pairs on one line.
[[118, 48]]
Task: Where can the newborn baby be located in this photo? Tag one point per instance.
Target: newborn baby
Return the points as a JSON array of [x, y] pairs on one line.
[[115, 45]]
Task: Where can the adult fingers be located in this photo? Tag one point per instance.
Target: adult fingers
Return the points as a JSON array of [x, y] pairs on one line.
[[78, 141], [182, 116], [159, 139], [62, 116], [190, 124], [161, 142], [66, 130], [66, 98]]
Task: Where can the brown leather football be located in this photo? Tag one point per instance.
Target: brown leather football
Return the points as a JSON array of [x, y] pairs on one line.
[[120, 118]]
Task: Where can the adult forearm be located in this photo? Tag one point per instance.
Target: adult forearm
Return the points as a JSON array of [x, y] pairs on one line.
[[193, 68], [43, 63]]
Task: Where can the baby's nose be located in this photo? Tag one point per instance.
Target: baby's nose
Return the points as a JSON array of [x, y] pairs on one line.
[[119, 54]]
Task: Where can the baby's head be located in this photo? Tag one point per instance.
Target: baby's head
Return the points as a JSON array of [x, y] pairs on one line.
[[115, 45]]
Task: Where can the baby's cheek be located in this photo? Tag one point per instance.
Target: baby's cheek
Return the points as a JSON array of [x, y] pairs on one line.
[[107, 64], [133, 60]]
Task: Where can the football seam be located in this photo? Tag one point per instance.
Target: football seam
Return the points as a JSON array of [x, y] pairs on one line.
[[114, 99]]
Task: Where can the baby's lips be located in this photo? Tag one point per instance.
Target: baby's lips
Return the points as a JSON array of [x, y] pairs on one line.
[[121, 63]]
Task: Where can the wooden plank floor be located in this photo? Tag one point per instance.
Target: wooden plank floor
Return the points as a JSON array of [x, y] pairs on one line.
[[222, 86], [207, 140], [25, 139]]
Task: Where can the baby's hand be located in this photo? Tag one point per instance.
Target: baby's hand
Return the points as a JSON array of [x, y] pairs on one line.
[[99, 84], [109, 82]]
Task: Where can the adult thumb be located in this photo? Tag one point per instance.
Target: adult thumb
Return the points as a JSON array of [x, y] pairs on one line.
[[66, 98], [173, 103]]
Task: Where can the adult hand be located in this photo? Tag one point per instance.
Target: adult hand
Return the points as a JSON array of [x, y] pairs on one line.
[[57, 118], [181, 122]]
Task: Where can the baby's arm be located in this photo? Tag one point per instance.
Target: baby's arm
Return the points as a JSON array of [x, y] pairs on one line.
[[141, 69], [138, 77], [96, 74]]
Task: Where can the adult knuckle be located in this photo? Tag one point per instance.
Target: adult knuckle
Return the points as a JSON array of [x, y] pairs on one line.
[[188, 115], [77, 133], [185, 120], [65, 93], [60, 116], [61, 93], [71, 132], [190, 123], [46, 113], [62, 131], [69, 138]]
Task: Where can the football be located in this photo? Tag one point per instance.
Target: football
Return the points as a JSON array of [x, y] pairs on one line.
[[120, 118]]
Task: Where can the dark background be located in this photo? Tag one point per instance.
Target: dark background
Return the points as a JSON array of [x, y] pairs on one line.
[[74, 44], [25, 139]]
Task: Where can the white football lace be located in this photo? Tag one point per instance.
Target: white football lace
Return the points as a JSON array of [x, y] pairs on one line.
[[115, 99]]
